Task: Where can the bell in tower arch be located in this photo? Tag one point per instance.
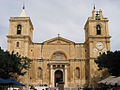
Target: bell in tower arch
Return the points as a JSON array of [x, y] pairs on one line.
[[19, 27]]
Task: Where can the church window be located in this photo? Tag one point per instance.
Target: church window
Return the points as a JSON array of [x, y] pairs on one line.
[[19, 27], [17, 53], [58, 57], [17, 44], [77, 72], [100, 53], [98, 29], [40, 71]]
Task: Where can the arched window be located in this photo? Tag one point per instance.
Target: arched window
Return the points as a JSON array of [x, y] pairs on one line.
[[17, 53], [17, 44], [19, 28], [98, 29], [77, 72], [40, 71], [100, 53]]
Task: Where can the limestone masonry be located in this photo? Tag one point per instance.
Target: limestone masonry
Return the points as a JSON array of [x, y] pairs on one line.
[[59, 59]]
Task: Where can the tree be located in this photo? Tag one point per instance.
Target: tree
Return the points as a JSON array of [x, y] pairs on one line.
[[111, 61], [12, 65]]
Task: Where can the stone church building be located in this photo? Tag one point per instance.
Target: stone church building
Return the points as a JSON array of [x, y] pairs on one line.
[[60, 59]]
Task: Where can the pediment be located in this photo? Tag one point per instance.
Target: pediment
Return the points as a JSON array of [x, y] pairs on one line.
[[58, 40]]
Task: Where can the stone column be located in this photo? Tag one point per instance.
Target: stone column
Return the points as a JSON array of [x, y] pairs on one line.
[[51, 76], [66, 82]]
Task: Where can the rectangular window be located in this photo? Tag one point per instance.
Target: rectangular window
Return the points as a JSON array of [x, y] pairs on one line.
[[58, 57]]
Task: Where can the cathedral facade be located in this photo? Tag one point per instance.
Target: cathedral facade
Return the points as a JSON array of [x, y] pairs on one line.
[[60, 59]]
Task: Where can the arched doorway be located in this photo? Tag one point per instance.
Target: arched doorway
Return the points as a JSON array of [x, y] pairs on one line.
[[58, 77]]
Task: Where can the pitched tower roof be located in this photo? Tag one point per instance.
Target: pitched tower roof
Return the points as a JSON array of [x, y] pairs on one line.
[[23, 13]]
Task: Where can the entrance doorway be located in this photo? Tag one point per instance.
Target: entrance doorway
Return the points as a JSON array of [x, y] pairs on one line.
[[58, 77]]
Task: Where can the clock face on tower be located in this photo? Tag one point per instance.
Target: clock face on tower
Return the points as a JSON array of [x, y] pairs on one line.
[[99, 45], [104, 50], [95, 51]]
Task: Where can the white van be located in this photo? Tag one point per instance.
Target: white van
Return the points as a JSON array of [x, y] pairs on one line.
[[42, 88], [12, 88]]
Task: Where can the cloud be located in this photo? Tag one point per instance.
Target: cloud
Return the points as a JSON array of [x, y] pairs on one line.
[[66, 17]]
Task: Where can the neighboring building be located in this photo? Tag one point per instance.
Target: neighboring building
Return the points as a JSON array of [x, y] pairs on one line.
[[59, 58]]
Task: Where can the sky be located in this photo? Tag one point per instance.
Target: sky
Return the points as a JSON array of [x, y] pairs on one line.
[[64, 17]]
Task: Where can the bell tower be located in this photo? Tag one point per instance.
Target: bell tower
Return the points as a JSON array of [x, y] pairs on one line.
[[97, 34], [97, 40], [20, 34]]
